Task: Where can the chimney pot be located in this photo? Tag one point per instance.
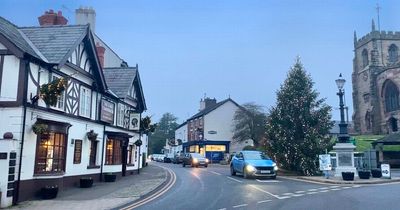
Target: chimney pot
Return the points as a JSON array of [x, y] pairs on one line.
[[50, 18]]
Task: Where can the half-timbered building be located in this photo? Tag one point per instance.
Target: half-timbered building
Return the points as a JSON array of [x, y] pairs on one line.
[[91, 127]]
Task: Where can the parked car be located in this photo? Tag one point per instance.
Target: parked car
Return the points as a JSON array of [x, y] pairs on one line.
[[158, 157], [177, 158], [168, 158], [194, 160], [253, 164]]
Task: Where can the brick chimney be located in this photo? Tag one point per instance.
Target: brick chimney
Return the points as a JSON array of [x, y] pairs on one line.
[[100, 54], [50, 18], [207, 102]]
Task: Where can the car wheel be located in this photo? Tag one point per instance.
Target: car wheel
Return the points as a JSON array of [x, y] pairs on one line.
[[183, 164], [245, 175], [197, 166], [274, 177], [233, 172], [206, 166]]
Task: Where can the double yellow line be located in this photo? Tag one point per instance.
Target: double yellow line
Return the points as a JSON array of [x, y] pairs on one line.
[[160, 192]]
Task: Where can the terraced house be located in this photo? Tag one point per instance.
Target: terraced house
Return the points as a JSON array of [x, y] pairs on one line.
[[63, 115]]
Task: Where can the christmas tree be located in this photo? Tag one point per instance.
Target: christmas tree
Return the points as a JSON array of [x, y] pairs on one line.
[[299, 124]]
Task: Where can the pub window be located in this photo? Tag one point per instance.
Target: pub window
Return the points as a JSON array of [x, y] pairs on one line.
[[393, 53], [61, 99], [391, 96], [50, 153], [364, 56], [121, 115], [78, 152], [85, 101], [93, 153], [113, 152], [130, 155]]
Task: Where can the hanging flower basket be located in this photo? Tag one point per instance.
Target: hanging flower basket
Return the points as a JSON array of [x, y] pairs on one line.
[[91, 135], [39, 128], [50, 92]]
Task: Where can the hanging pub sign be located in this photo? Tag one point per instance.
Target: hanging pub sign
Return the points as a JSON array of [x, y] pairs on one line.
[[134, 121], [107, 111]]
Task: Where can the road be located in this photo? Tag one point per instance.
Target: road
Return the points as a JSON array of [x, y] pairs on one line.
[[215, 189]]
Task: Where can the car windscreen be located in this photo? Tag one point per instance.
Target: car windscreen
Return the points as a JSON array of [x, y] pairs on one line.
[[196, 155], [256, 156]]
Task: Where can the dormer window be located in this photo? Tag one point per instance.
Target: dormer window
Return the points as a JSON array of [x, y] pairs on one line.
[[393, 53], [365, 60]]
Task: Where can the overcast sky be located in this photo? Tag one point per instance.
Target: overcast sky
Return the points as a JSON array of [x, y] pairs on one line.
[[242, 49]]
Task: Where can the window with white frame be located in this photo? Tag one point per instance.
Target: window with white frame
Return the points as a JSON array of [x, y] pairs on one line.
[[85, 101], [121, 115], [61, 99]]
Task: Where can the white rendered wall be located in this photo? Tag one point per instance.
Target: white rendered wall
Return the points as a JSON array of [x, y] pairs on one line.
[[221, 121], [9, 83]]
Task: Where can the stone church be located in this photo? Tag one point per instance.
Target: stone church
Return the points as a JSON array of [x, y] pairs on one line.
[[376, 82]]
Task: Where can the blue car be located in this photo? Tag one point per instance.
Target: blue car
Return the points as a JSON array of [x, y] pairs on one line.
[[253, 164]]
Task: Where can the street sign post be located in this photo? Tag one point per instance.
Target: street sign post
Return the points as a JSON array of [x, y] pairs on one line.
[[325, 164], [385, 168]]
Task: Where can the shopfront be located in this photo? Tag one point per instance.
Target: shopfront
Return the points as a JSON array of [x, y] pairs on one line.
[[213, 150]]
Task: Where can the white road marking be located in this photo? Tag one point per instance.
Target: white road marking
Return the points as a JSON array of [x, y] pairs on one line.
[[287, 194], [297, 195], [300, 191], [259, 189], [323, 188], [346, 187], [241, 205], [356, 186], [310, 193], [215, 173], [324, 191], [336, 189], [264, 201], [234, 179], [312, 190], [268, 181], [222, 209], [333, 186], [284, 197]]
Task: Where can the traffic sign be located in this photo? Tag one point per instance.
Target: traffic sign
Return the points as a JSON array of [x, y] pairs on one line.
[[385, 168]]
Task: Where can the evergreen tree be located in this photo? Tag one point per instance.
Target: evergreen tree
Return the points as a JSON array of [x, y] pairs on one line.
[[249, 123], [299, 124], [165, 129]]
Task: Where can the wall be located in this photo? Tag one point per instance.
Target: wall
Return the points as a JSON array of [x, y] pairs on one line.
[[220, 120], [9, 83]]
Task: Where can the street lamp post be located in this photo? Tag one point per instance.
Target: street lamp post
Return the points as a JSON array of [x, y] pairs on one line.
[[343, 148], [343, 133]]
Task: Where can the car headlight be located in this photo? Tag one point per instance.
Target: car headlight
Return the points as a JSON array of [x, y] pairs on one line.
[[275, 167], [207, 160], [195, 160], [250, 168]]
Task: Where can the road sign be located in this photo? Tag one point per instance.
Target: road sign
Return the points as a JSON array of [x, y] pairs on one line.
[[385, 168], [325, 162]]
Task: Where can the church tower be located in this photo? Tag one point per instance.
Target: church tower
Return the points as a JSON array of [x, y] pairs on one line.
[[376, 82]]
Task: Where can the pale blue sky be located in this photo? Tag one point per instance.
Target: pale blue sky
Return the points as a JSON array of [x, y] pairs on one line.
[[239, 48]]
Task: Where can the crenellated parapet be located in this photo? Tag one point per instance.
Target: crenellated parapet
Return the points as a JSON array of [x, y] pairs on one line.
[[373, 35]]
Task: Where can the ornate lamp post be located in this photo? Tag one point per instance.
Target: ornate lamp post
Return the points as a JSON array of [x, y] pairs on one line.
[[343, 148], [343, 134]]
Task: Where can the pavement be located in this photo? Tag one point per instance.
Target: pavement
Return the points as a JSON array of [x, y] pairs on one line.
[[395, 177], [137, 188], [104, 195]]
